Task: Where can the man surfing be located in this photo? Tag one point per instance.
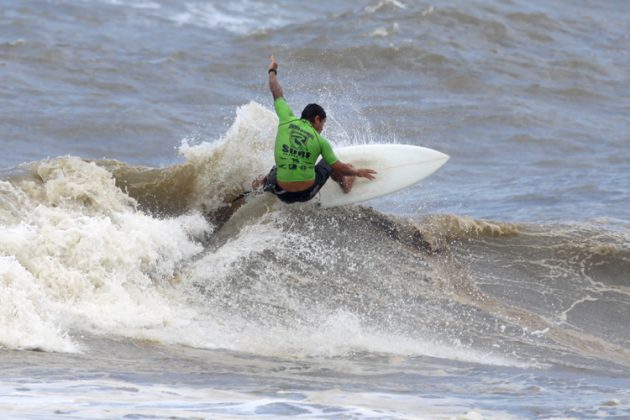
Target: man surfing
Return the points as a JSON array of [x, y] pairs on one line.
[[296, 177]]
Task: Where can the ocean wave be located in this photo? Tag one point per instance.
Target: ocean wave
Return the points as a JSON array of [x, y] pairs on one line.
[[111, 249], [362, 57]]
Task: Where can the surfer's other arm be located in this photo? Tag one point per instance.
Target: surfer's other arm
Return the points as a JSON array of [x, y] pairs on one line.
[[347, 169], [274, 84], [345, 174]]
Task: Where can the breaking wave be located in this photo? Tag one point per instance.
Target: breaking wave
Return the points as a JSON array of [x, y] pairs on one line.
[[164, 254]]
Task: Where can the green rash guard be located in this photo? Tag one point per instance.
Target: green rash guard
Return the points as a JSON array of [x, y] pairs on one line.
[[298, 145]]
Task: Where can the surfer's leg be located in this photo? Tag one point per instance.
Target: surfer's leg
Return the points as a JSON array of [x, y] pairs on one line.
[[323, 171]]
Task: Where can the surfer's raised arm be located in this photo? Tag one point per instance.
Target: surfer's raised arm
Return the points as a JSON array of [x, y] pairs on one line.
[[274, 85]]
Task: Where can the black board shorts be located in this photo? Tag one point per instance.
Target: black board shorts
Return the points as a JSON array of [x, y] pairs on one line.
[[323, 171]]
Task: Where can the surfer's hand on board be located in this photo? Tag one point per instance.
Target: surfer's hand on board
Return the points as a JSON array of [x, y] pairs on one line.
[[363, 172], [366, 173], [347, 182], [347, 169]]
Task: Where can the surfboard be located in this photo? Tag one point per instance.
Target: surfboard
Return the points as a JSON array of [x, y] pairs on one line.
[[398, 165]]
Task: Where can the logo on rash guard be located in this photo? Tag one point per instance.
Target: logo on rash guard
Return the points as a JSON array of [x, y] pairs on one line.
[[294, 152]]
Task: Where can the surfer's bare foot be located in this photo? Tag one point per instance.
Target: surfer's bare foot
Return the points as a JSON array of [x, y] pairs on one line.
[[259, 182]]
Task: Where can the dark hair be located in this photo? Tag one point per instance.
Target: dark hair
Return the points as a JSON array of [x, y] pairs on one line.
[[311, 111]]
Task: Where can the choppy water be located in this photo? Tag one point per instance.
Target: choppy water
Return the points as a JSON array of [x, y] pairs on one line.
[[497, 288]]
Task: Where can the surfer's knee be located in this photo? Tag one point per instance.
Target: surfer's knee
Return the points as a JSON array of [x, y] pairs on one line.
[[348, 182]]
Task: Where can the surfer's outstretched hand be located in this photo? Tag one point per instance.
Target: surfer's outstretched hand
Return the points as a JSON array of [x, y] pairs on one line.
[[366, 173]]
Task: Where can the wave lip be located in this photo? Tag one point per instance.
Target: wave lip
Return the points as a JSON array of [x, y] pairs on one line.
[[384, 5], [441, 230]]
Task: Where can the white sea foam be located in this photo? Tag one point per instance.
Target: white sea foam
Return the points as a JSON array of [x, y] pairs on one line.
[[24, 321], [342, 333], [240, 17], [385, 31], [119, 398], [82, 258], [136, 4], [383, 4]]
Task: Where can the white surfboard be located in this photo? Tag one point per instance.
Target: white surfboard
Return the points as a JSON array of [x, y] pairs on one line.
[[398, 166]]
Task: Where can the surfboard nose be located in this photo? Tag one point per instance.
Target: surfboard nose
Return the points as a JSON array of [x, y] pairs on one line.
[[398, 166], [442, 157], [435, 154]]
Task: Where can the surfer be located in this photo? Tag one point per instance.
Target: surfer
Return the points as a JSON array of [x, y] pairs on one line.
[[295, 176]]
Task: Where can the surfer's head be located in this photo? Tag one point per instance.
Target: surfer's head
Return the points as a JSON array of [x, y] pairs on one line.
[[316, 115]]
